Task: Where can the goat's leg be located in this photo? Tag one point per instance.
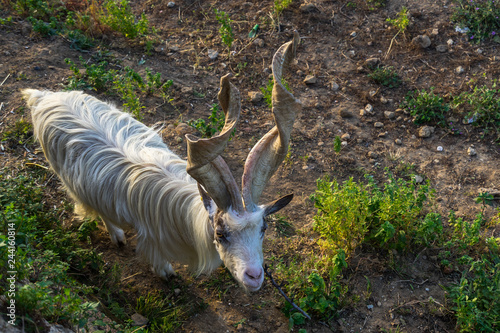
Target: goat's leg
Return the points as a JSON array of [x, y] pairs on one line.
[[116, 234], [164, 270], [151, 251]]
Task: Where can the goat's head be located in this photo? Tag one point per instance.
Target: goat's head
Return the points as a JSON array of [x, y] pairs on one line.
[[237, 220]]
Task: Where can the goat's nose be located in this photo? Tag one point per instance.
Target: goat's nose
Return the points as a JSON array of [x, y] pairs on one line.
[[253, 273]]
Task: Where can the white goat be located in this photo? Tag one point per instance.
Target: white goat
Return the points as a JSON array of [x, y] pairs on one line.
[[115, 167]]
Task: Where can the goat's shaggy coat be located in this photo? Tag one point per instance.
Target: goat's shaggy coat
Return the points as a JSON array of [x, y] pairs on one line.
[[109, 162]]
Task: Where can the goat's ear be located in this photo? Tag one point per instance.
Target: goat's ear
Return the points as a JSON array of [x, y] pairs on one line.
[[275, 206], [209, 204]]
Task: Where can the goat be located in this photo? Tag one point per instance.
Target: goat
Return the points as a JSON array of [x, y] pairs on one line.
[[117, 168]]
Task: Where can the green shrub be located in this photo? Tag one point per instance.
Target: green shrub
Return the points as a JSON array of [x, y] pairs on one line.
[[21, 132], [118, 16], [480, 17], [385, 76], [426, 107], [215, 123], [225, 29], [267, 91]]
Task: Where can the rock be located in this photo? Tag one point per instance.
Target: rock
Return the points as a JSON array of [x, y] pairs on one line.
[[370, 307], [378, 124], [177, 291], [422, 40], [344, 113], [187, 90], [372, 154], [442, 48], [345, 136], [363, 112], [255, 96], [459, 70], [425, 131], [383, 100], [372, 62], [310, 79], [307, 7], [212, 54], [259, 42], [390, 114], [379, 304], [139, 320], [334, 86], [471, 151], [8, 328], [56, 328], [369, 108], [343, 143], [439, 148], [398, 141], [382, 135], [450, 42], [171, 4], [434, 32], [418, 179], [353, 34], [182, 129]]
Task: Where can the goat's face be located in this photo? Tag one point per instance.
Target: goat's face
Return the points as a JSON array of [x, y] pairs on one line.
[[238, 239]]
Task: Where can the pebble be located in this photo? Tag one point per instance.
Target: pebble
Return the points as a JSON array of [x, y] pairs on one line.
[[450, 42], [378, 124], [307, 7], [372, 62], [425, 131], [459, 70], [369, 108], [259, 42], [335, 86], [382, 135], [471, 151], [372, 154], [177, 291], [139, 320], [353, 34], [369, 306], [255, 96], [212, 54], [418, 179], [398, 141], [344, 113], [171, 4], [343, 143], [422, 40], [439, 148], [310, 79], [379, 304], [390, 114], [345, 136], [442, 48]]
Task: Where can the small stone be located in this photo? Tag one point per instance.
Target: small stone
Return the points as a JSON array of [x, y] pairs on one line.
[[398, 141], [435, 32], [353, 34], [442, 48], [369, 108], [372, 154], [177, 291], [345, 136], [310, 79], [422, 40], [450, 42], [171, 4], [212, 54], [372, 62], [390, 114], [321, 143], [370, 307], [182, 129], [382, 135], [344, 113], [259, 42], [334, 86], [471, 151], [187, 90], [372, 93], [307, 7], [379, 304], [383, 100], [439, 148], [255, 96], [459, 70], [305, 167], [378, 124], [418, 179], [178, 139], [425, 131], [479, 51], [343, 143], [351, 53], [139, 320], [363, 112]]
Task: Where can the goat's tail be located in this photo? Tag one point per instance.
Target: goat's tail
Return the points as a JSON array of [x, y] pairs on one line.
[[33, 96]]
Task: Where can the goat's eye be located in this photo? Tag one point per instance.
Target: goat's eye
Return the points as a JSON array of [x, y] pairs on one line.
[[221, 235]]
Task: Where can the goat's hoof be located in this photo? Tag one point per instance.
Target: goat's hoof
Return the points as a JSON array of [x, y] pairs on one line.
[[118, 238], [164, 271]]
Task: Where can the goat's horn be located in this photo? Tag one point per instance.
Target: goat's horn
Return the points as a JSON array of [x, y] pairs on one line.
[[204, 161], [267, 155]]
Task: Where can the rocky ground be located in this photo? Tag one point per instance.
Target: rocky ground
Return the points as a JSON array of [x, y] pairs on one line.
[[339, 41]]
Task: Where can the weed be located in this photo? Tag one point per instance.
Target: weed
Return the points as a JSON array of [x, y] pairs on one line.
[[401, 21], [267, 91], [225, 29], [20, 133], [281, 226], [426, 107], [6, 21], [215, 123], [159, 308], [481, 106], [374, 4], [337, 144], [279, 7], [479, 17], [385, 76], [118, 16]]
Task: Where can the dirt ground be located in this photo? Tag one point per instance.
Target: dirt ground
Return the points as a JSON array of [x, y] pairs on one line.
[[336, 41]]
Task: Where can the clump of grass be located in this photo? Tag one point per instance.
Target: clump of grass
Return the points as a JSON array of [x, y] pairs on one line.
[[386, 76], [426, 107], [19, 133], [481, 105], [215, 123], [390, 218], [118, 15], [480, 17]]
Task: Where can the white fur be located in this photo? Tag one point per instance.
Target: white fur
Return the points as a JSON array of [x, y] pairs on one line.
[[119, 169]]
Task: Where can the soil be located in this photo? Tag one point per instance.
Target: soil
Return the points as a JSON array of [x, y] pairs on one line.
[[337, 38]]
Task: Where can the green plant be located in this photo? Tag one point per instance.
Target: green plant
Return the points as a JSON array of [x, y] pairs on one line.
[[337, 144], [282, 227], [267, 91], [21, 132], [225, 29], [279, 7], [160, 309], [374, 4], [481, 105], [385, 76], [118, 15], [426, 107], [401, 21], [480, 17], [215, 123]]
